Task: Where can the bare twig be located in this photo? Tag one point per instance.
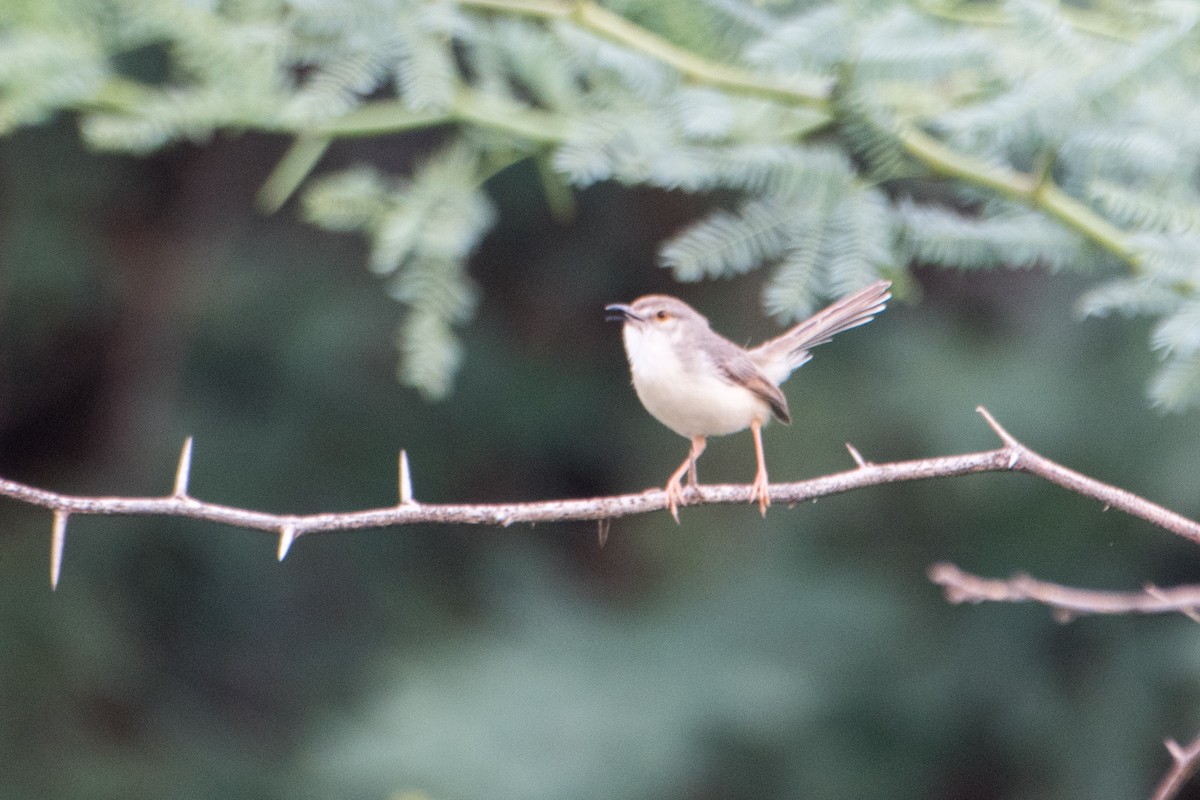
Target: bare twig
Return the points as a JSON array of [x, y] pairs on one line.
[[1011, 456], [1185, 761], [1025, 460], [1067, 602]]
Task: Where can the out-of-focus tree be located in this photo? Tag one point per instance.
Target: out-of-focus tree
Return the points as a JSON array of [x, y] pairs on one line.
[[848, 140]]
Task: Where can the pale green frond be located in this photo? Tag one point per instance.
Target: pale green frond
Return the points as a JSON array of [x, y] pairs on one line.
[[1025, 119], [422, 231], [42, 73], [616, 145], [1100, 96], [860, 240], [425, 68], [347, 201], [1016, 238], [1176, 386], [1178, 335], [456, 223], [700, 27], [904, 45], [871, 134], [395, 233], [430, 353], [1146, 211], [337, 86], [245, 60], [1125, 157], [773, 169], [437, 286], [799, 187], [795, 289], [537, 61], [1044, 24], [704, 114], [727, 244], [610, 66], [815, 41], [1129, 297], [1144, 61], [751, 17], [1169, 258], [162, 117]]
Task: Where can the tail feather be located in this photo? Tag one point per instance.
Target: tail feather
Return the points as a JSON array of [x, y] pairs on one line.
[[779, 356]]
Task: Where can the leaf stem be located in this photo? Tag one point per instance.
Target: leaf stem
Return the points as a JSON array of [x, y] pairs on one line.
[[599, 20], [1034, 190]]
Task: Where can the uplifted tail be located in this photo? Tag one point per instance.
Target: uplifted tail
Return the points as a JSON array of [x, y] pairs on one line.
[[779, 356]]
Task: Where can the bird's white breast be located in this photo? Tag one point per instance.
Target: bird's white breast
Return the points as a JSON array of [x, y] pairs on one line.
[[689, 396]]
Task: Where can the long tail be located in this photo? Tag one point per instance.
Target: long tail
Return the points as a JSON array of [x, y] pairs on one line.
[[779, 356]]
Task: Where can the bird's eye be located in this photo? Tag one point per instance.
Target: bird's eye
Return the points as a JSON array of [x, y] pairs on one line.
[[662, 316]]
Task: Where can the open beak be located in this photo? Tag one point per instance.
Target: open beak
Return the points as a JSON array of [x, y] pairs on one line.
[[619, 312]]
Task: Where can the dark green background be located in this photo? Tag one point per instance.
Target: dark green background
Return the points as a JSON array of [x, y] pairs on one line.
[[143, 300]]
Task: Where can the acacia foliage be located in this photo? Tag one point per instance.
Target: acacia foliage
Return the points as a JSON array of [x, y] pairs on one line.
[[1067, 134]]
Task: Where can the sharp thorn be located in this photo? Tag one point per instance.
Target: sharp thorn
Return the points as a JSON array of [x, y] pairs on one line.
[[287, 535], [58, 542], [184, 470], [406, 490], [602, 526], [1004, 435], [857, 456]]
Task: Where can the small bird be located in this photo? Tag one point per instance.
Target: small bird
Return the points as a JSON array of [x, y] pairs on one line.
[[700, 384]]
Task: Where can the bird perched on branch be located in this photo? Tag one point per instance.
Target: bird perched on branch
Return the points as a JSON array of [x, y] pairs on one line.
[[700, 384]]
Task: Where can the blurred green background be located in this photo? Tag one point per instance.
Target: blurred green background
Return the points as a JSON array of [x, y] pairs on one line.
[[143, 300]]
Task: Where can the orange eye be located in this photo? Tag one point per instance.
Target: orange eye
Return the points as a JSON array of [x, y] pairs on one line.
[[662, 316]]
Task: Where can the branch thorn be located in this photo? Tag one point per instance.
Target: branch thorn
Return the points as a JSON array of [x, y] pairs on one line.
[[857, 456], [184, 470], [287, 535], [1158, 594], [58, 541], [406, 490], [602, 526], [1004, 435]]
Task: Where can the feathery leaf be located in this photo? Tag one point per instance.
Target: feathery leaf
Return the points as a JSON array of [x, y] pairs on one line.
[[727, 244]]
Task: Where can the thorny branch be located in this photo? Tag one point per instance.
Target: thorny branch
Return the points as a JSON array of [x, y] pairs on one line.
[[959, 586], [1012, 456]]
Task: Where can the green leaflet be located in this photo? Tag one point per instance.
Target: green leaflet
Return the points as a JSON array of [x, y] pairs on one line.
[[422, 232]]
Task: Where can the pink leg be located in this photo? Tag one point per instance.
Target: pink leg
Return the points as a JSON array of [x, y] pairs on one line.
[[760, 489], [675, 482]]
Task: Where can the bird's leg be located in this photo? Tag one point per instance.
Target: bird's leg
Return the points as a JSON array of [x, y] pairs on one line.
[[675, 482], [760, 490]]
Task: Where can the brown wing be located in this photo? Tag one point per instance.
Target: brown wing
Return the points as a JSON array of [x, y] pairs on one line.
[[738, 368]]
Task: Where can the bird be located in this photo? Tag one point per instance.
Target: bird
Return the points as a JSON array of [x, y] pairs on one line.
[[700, 384]]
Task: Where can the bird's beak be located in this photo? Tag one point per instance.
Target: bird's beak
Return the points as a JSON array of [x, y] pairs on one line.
[[619, 312]]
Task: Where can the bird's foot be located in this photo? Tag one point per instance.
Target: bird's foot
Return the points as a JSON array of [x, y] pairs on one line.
[[760, 491], [674, 496]]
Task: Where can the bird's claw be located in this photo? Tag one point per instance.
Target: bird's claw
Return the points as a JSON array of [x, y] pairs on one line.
[[760, 491], [674, 492]]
